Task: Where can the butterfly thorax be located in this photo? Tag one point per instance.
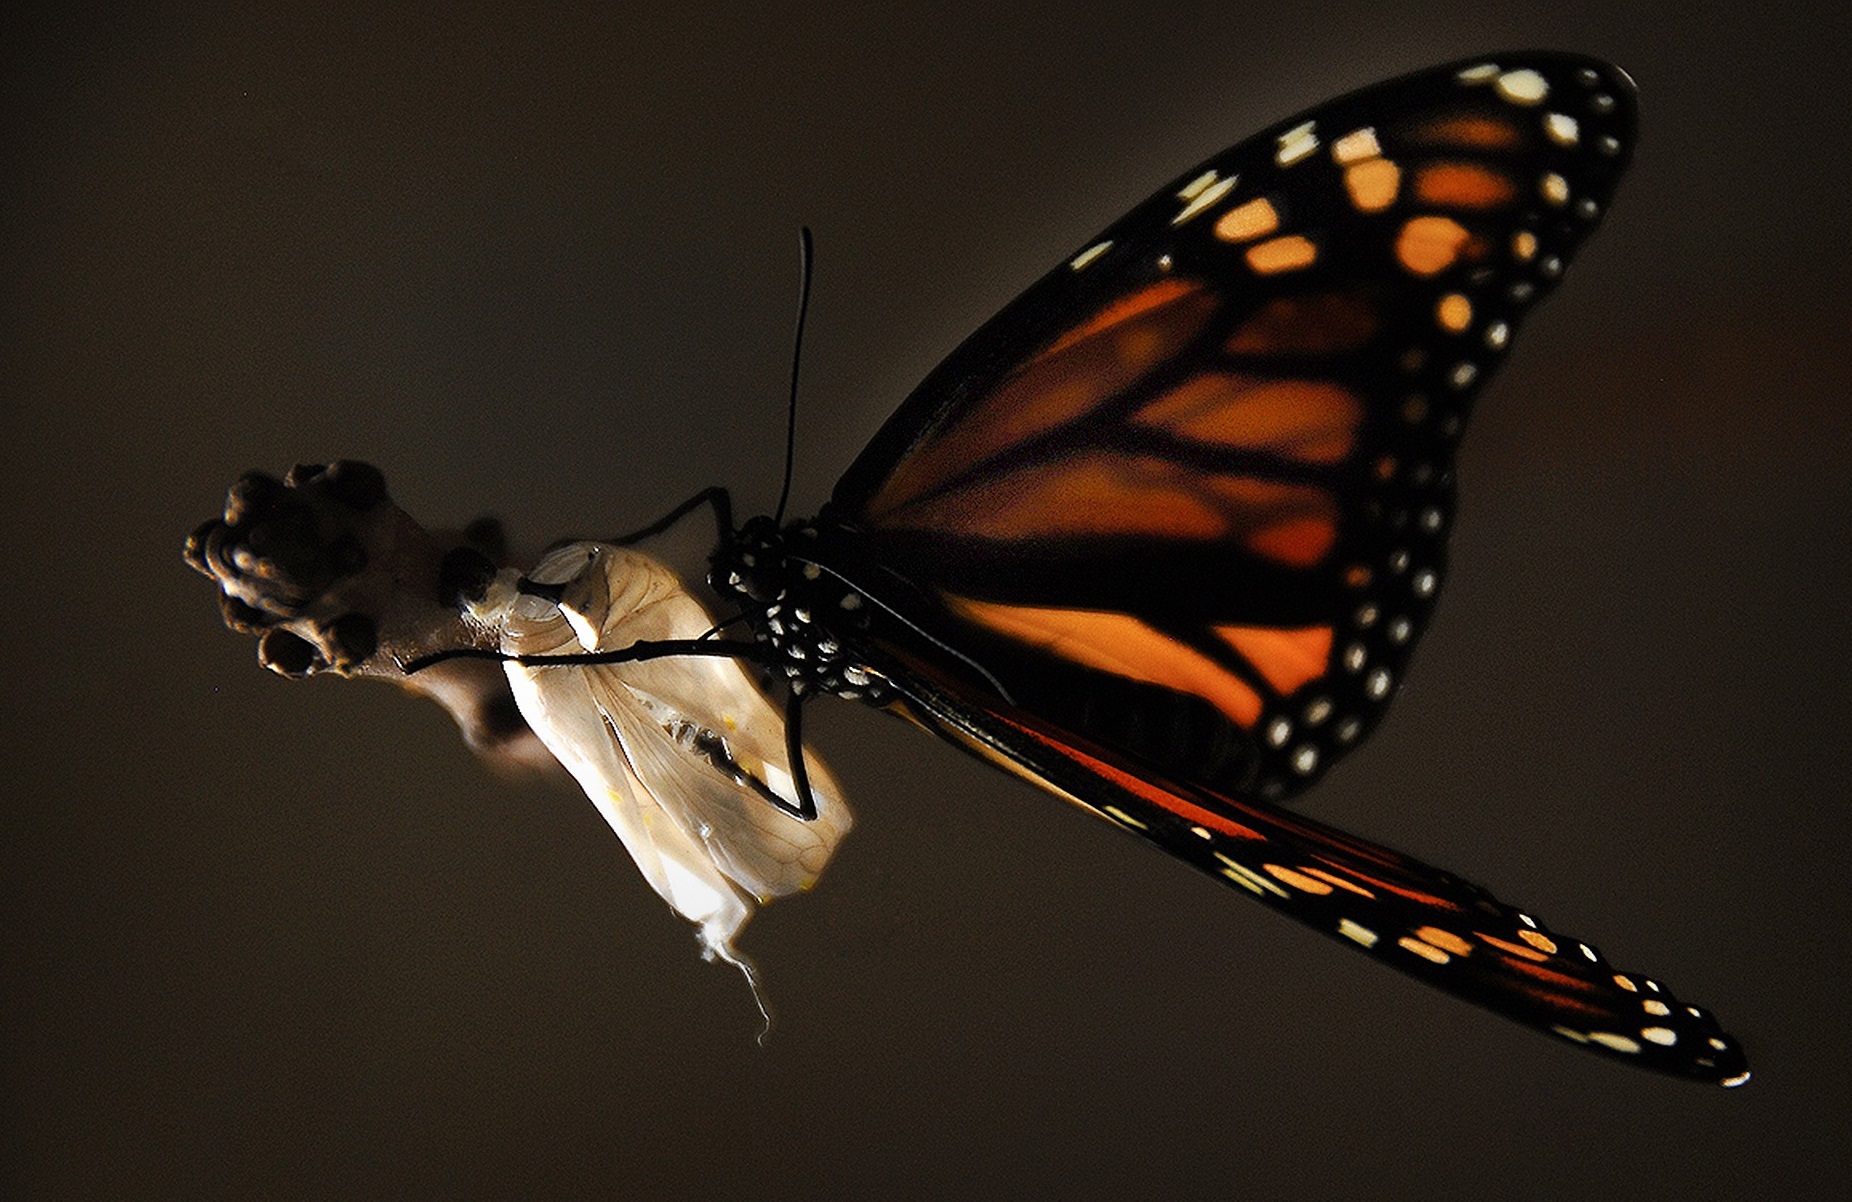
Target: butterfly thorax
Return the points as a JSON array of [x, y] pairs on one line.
[[810, 621]]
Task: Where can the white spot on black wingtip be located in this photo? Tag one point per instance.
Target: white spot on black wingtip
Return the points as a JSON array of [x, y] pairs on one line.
[[1123, 818], [1357, 932], [1615, 1042], [1523, 87], [1296, 144], [1087, 256], [1200, 193]]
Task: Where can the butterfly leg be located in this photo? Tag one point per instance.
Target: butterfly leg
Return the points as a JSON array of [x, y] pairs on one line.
[[806, 807]]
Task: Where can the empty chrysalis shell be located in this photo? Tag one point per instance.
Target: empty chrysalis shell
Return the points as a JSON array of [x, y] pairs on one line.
[[679, 752]]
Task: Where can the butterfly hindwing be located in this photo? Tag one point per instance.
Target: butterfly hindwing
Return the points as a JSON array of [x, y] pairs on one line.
[[1189, 494]]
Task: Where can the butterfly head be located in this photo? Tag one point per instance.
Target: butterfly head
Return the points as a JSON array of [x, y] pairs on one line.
[[749, 567]]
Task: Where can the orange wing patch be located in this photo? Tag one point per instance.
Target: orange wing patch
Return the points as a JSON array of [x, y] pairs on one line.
[[1097, 494], [1469, 131], [1292, 524], [1463, 186], [1454, 313], [1138, 785], [1119, 644], [1093, 493], [1429, 245], [1118, 313], [1308, 421], [1084, 367], [1288, 252], [1297, 543], [1288, 658], [1243, 223], [1513, 949], [1372, 184]]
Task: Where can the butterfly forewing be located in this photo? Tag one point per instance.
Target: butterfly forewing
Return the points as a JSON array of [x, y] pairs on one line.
[[1189, 494], [1412, 916]]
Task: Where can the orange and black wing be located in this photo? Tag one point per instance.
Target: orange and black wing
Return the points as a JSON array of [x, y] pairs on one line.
[[1189, 495], [1412, 916], [1162, 535]]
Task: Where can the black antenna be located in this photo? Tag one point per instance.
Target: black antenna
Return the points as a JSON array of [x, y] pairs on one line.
[[807, 252]]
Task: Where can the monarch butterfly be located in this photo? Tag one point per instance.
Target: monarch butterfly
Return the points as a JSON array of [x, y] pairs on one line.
[[1159, 537]]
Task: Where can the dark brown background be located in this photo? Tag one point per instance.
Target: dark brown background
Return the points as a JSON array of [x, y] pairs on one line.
[[276, 940]]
